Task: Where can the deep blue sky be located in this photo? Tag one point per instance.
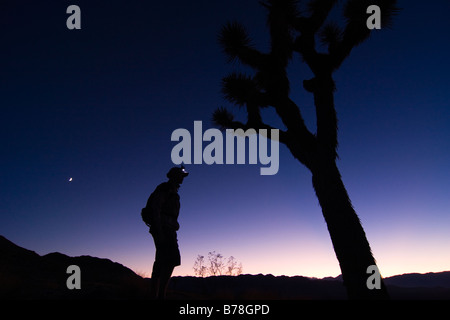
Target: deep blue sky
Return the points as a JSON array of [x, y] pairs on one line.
[[99, 105]]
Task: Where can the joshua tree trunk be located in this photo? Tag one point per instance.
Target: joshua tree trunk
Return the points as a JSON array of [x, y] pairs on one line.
[[347, 235], [291, 32], [318, 154]]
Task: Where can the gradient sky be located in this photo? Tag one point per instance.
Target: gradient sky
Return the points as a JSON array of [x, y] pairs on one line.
[[99, 105]]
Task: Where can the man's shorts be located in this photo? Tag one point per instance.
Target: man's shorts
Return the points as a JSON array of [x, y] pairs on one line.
[[167, 251]]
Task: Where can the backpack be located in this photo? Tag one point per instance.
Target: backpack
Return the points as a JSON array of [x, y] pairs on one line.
[[146, 215], [147, 212]]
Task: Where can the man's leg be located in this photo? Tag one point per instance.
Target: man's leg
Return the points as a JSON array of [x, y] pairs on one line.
[[166, 258], [166, 273], [156, 280]]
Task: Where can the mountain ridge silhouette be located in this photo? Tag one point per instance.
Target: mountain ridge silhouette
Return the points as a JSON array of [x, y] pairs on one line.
[[26, 275]]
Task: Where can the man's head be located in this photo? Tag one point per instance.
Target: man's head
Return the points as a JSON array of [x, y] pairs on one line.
[[177, 174]]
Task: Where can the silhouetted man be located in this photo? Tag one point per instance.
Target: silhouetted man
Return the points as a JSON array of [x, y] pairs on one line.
[[165, 205]]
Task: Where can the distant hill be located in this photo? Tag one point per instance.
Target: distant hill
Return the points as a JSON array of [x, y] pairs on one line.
[[26, 275], [427, 280]]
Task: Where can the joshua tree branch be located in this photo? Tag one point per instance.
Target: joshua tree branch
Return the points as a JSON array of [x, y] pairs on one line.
[[319, 12], [237, 45], [224, 120], [356, 31]]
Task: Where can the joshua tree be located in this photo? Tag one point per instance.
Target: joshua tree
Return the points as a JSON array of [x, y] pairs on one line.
[[292, 32]]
